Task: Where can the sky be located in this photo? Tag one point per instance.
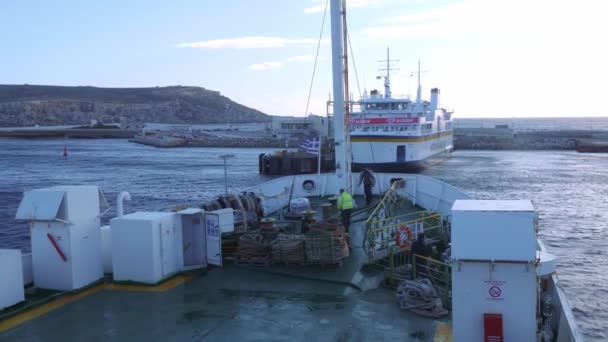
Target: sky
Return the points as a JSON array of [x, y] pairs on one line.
[[490, 58]]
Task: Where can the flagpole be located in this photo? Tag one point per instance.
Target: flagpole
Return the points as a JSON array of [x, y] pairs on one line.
[[319, 157]]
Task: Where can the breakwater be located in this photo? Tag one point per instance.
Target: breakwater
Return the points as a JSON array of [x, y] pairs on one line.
[[74, 133], [509, 139], [215, 139]]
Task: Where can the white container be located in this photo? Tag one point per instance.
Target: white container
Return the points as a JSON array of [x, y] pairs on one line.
[[506, 289], [11, 278], [493, 268], [143, 247], [226, 219], [497, 230], [65, 235], [191, 243]]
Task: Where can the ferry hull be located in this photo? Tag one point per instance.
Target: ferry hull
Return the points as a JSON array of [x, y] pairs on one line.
[[401, 167], [399, 154]]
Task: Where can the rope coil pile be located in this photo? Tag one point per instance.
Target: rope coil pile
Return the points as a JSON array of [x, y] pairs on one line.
[[420, 297]]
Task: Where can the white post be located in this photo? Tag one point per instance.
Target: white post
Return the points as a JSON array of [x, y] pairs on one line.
[[338, 90], [419, 92], [225, 157], [319, 156]]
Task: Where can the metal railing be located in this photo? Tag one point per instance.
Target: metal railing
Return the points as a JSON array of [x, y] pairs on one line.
[[383, 239], [438, 272]]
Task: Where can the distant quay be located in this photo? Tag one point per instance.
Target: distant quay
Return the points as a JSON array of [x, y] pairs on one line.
[[209, 140], [504, 138], [66, 132]]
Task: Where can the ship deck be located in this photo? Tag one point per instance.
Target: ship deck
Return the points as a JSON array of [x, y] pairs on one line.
[[279, 303]]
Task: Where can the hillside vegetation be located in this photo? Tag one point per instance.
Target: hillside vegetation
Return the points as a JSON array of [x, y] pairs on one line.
[[27, 105]]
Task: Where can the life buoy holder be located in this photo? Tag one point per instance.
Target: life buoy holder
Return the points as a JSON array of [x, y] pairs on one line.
[[404, 236]]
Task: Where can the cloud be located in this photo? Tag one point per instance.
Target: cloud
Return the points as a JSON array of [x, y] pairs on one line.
[[277, 65], [253, 42], [266, 66], [466, 18], [318, 6], [457, 18], [304, 59]]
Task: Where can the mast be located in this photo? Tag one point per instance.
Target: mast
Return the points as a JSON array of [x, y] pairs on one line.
[[387, 79], [419, 93], [345, 63], [340, 136]]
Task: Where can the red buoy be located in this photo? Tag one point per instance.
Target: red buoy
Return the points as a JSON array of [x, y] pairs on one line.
[[65, 151]]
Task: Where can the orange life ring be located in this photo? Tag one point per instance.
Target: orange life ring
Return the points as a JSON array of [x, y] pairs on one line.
[[399, 240]]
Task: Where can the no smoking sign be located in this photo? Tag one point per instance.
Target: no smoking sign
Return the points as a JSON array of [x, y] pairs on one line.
[[495, 290]]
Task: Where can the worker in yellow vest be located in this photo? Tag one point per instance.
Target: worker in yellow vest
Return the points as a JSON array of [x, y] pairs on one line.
[[345, 204]]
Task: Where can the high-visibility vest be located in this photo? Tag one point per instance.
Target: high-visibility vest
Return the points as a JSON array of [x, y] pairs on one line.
[[345, 201]]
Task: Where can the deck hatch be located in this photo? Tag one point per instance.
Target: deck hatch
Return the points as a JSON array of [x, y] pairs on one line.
[[42, 206]]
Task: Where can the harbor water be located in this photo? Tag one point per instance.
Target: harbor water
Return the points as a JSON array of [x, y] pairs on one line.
[[569, 189]]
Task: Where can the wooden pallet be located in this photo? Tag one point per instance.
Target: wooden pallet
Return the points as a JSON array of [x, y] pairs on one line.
[[253, 261]]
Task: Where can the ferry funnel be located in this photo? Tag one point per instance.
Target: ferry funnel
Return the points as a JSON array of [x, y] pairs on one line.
[[434, 99]]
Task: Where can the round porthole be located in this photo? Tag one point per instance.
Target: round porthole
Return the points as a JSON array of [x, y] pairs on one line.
[[308, 185]]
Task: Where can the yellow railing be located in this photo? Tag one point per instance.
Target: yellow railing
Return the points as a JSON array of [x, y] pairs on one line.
[[387, 197], [371, 221], [438, 272], [394, 225], [384, 237]]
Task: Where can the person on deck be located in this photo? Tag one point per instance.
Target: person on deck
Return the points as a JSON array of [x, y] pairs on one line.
[[419, 248], [345, 204], [367, 178]]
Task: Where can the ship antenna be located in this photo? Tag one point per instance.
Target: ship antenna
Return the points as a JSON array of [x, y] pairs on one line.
[[387, 80], [419, 93], [390, 66]]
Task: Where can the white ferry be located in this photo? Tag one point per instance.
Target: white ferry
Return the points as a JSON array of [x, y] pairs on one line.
[[397, 134]]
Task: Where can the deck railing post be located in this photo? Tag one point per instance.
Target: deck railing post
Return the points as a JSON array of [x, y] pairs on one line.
[[414, 266]]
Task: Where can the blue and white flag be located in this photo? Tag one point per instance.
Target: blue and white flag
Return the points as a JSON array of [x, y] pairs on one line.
[[312, 145]]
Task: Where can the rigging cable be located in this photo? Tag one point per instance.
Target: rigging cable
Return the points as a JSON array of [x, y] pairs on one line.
[[352, 55], [371, 149], [314, 68], [359, 88]]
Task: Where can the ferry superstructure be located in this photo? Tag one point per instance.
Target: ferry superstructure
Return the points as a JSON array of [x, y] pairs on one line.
[[392, 134]]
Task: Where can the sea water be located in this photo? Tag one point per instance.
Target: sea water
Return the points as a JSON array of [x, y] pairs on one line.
[[569, 189]]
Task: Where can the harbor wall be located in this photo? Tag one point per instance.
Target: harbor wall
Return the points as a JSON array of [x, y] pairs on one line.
[[508, 139], [74, 133]]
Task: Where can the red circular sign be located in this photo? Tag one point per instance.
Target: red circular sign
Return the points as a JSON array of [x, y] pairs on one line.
[[495, 291]]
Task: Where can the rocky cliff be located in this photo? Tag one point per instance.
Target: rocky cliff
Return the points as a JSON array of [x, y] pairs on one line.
[[27, 105]]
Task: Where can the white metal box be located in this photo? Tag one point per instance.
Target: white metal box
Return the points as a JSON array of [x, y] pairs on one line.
[[503, 288], [11, 278], [65, 236], [143, 247], [226, 219], [496, 230], [493, 270]]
